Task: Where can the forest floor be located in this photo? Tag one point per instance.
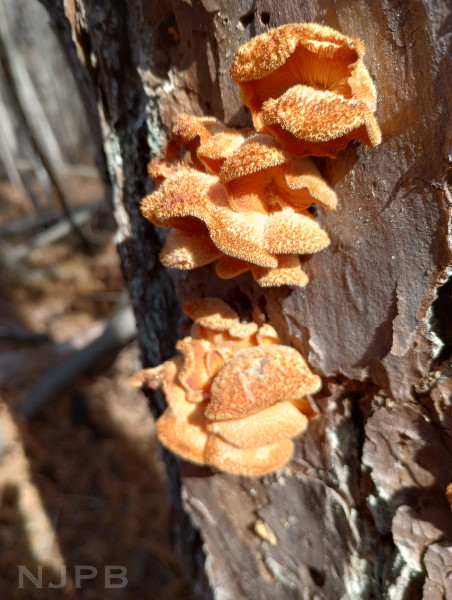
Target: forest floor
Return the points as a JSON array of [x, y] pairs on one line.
[[80, 482]]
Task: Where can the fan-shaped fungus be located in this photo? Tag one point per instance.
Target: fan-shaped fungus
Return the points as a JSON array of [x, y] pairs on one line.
[[260, 176], [235, 395], [242, 199], [255, 378], [207, 139], [306, 85], [253, 212]]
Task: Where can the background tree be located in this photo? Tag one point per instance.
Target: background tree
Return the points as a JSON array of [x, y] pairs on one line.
[[362, 511]]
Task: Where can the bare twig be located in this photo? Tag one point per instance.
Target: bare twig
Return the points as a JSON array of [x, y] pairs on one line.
[[9, 143]]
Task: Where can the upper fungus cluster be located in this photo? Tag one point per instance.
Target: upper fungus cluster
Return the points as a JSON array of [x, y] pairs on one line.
[[235, 395], [306, 85], [241, 197]]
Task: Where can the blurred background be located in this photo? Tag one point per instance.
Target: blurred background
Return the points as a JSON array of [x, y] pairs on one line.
[[80, 479]]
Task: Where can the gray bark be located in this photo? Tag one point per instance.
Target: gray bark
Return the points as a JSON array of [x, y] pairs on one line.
[[361, 512]]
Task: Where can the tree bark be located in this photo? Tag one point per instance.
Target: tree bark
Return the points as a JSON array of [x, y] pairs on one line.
[[361, 512]]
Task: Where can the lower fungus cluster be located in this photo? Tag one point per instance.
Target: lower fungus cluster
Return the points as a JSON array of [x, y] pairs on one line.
[[235, 395], [241, 198]]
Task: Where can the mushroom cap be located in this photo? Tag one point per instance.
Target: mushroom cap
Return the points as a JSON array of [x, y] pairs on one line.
[[265, 53], [188, 250], [257, 153], [250, 462], [235, 396], [302, 173], [305, 407], [260, 175], [215, 315], [212, 313], [194, 194], [187, 128], [150, 376], [288, 272], [200, 365], [228, 267], [243, 331], [268, 426], [289, 232], [238, 336], [257, 377], [164, 377], [321, 121], [208, 140], [267, 334], [182, 430], [308, 82], [259, 212], [160, 169]]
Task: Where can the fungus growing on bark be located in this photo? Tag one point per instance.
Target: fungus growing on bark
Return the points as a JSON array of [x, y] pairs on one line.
[[188, 250], [207, 139], [307, 86], [235, 395], [262, 177], [212, 313], [250, 462], [242, 199], [183, 431], [195, 203], [249, 216], [258, 377]]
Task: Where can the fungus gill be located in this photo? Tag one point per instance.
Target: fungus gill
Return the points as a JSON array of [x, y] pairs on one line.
[[306, 85]]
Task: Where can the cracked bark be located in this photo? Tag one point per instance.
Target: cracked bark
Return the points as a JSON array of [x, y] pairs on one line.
[[361, 511]]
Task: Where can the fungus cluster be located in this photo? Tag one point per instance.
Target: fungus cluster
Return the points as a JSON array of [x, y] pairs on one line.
[[242, 198], [235, 395], [306, 85]]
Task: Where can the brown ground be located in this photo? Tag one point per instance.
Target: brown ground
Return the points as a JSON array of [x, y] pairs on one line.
[[80, 484]]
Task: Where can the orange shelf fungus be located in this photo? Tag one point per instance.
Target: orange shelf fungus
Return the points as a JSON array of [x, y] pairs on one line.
[[207, 139], [241, 198], [260, 176], [249, 216], [236, 396], [306, 85]]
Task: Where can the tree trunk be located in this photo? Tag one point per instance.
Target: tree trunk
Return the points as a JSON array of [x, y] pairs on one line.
[[361, 512]]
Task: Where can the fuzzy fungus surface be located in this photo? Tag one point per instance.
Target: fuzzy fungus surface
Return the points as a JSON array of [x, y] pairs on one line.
[[207, 139], [251, 215], [306, 84], [236, 396], [242, 199]]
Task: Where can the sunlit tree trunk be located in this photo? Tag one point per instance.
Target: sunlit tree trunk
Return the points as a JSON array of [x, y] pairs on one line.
[[361, 512]]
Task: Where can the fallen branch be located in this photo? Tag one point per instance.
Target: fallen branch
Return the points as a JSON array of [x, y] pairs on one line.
[[119, 331], [12, 255], [44, 218], [19, 334]]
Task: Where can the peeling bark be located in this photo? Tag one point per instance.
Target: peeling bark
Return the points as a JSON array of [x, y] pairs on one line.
[[361, 511]]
